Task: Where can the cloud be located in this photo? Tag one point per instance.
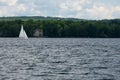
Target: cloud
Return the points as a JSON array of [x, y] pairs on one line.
[[18, 8], [103, 12], [86, 9], [9, 2], [71, 5], [73, 8], [99, 12]]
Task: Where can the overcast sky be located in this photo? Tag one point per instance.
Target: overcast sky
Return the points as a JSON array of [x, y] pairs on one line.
[[83, 9]]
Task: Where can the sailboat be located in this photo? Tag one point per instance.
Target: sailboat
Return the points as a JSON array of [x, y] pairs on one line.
[[23, 33]]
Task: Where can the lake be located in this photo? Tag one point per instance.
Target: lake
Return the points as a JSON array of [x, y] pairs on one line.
[[60, 59]]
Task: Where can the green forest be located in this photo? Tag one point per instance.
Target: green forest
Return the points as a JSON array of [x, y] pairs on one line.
[[58, 27]]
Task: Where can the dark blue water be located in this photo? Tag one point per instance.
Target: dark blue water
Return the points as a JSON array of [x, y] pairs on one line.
[[59, 59]]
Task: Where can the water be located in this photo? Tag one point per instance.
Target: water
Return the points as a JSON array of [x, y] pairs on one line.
[[59, 59]]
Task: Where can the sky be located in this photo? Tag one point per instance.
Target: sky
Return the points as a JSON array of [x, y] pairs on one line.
[[82, 9]]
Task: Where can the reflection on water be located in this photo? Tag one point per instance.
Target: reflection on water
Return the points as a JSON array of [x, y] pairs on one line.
[[59, 59]]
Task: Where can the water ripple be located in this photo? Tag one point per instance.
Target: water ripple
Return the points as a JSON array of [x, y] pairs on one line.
[[59, 59]]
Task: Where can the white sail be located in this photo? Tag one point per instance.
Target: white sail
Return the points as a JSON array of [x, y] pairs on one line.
[[23, 33]]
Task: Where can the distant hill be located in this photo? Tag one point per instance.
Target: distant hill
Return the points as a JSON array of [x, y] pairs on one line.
[[24, 18]]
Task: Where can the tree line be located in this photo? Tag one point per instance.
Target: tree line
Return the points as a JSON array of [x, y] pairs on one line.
[[61, 28]]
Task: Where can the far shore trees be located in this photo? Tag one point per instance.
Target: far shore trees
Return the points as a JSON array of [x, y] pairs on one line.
[[62, 28]]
